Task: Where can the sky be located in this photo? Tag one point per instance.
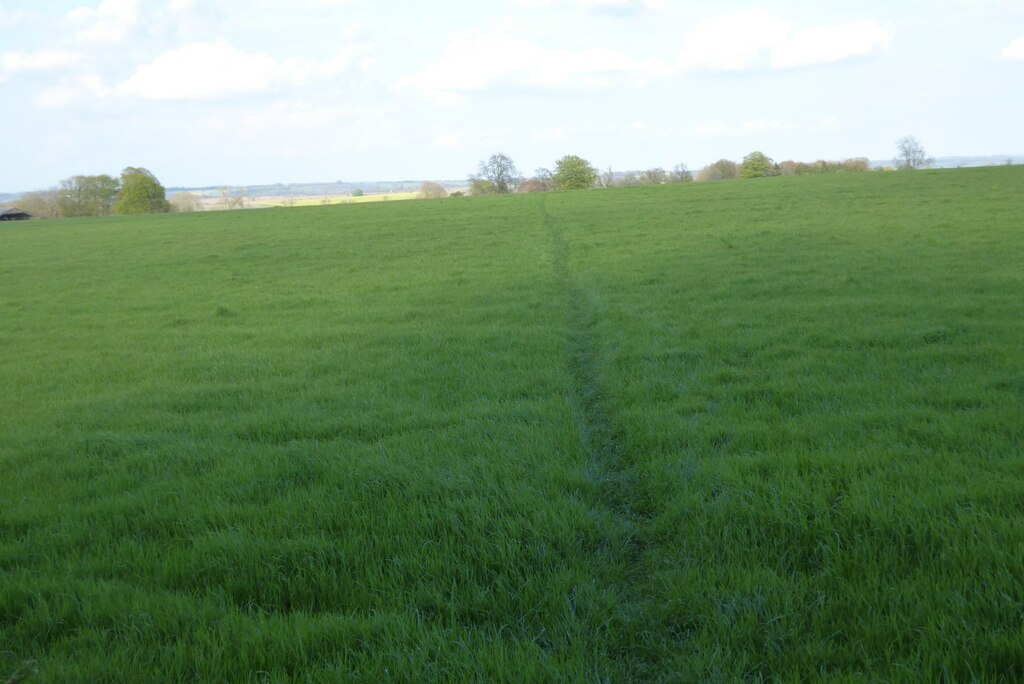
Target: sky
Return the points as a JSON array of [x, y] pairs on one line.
[[244, 92]]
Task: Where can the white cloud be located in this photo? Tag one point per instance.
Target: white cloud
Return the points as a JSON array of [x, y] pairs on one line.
[[759, 127], [717, 129], [72, 91], [603, 6], [481, 60], [446, 141], [19, 61], [753, 39], [109, 22], [9, 20], [14, 62], [711, 129], [825, 44], [1015, 50], [730, 42], [209, 70], [57, 97], [297, 127], [551, 135], [200, 71]]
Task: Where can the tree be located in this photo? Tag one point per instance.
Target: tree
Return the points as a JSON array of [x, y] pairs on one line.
[[358, 192], [545, 179], [573, 173], [757, 165], [533, 185], [482, 186], [432, 190], [41, 203], [709, 173], [497, 175], [680, 174], [723, 169], [655, 176], [141, 193], [183, 202], [910, 154], [232, 198], [87, 195]]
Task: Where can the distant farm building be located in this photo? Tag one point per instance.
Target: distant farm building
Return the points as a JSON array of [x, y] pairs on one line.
[[13, 214]]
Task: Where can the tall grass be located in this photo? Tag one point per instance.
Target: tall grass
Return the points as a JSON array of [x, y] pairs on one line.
[[751, 430]]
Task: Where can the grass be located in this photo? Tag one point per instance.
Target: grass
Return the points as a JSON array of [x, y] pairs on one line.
[[752, 430]]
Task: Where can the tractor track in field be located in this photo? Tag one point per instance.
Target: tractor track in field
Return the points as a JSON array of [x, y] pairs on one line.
[[619, 505]]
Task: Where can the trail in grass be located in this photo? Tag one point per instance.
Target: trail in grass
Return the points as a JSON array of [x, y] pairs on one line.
[[618, 505]]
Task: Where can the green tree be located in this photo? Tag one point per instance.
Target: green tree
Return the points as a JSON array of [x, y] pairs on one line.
[[141, 193], [482, 186], [723, 169], [757, 165], [87, 195], [573, 173]]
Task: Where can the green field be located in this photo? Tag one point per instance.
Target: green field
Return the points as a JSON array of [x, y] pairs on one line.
[[749, 430]]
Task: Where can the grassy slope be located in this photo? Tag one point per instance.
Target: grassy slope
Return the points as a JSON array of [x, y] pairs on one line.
[[760, 428]]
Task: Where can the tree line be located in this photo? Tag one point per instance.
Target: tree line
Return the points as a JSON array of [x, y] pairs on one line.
[[498, 175], [135, 191]]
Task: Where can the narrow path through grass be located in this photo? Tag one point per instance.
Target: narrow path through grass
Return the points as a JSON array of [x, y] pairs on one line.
[[619, 507]]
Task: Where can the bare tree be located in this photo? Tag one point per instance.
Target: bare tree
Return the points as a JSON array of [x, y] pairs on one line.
[[910, 154], [544, 177], [183, 202], [232, 198], [680, 174], [41, 203], [656, 176], [498, 175], [432, 190]]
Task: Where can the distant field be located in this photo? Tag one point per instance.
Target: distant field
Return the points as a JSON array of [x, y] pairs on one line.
[[331, 199], [214, 203], [750, 430]]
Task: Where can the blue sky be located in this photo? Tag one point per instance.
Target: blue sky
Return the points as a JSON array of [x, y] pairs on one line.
[[215, 92]]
